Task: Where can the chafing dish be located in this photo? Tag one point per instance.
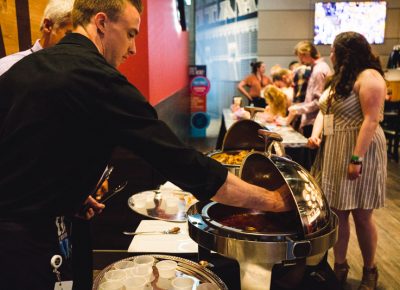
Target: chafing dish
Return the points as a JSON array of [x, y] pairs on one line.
[[259, 240]]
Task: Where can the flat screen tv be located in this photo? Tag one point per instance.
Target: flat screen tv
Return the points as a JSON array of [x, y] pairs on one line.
[[367, 18]]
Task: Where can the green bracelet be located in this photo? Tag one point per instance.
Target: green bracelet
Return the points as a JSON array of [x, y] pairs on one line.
[[356, 160]]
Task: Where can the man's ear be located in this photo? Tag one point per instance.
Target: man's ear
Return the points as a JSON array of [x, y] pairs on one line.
[[47, 25], [100, 20]]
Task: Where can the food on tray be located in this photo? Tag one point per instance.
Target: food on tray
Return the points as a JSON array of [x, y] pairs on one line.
[[231, 158]]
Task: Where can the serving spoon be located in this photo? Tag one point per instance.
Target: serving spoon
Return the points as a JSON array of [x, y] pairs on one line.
[[173, 231]]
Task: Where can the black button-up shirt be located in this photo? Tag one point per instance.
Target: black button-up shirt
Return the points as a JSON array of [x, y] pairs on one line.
[[62, 112]]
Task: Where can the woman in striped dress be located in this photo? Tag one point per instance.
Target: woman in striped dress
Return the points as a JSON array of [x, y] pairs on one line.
[[351, 166]]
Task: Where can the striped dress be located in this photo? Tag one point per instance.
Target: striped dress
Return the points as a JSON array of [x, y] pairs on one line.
[[331, 165]]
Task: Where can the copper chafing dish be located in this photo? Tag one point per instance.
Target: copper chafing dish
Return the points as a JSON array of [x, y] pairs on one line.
[[259, 240]]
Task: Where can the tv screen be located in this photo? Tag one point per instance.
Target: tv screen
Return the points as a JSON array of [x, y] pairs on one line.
[[367, 18]]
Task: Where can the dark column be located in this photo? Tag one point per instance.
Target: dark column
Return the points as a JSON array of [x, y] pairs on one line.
[[2, 47], [23, 24]]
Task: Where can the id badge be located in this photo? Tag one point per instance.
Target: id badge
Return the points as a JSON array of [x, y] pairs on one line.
[[328, 124], [63, 285]]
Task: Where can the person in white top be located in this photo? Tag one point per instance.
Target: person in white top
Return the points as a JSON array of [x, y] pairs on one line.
[[56, 22]]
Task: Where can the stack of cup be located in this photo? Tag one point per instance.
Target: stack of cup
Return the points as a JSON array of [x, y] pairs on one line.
[[143, 267], [166, 269], [139, 201], [115, 275], [149, 198], [123, 265], [120, 279]]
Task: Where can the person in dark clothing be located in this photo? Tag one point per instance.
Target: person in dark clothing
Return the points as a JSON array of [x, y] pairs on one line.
[[55, 106]]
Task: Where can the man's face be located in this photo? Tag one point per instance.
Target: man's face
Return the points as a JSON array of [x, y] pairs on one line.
[[119, 36], [305, 58]]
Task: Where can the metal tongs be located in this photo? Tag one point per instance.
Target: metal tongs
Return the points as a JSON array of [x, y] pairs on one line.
[[173, 231]]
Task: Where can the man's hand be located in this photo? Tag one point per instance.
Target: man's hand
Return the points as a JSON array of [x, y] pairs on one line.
[[284, 199], [94, 207]]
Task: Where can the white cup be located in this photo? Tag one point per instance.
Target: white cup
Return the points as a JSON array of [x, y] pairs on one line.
[[115, 275], [207, 286], [182, 283], [122, 265], [140, 201], [237, 100], [135, 283], [140, 272], [146, 262], [172, 205], [150, 204], [112, 285], [149, 195], [163, 283], [166, 268]]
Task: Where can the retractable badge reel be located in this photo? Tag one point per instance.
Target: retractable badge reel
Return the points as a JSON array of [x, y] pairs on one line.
[[56, 262]]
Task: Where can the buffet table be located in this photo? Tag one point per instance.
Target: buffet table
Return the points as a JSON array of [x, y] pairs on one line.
[[294, 142], [291, 138]]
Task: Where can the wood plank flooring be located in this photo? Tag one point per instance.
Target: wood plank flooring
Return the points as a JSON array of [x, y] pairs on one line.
[[388, 252]]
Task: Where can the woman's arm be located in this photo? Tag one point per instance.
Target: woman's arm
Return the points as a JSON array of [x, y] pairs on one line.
[[371, 89], [315, 140], [241, 88]]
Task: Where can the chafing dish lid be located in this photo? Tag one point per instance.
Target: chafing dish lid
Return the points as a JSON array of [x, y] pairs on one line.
[[275, 173], [243, 135]]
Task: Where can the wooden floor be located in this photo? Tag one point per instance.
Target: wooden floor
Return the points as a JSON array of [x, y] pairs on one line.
[[388, 253]]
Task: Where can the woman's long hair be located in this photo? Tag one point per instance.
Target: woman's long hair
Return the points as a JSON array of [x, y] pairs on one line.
[[352, 55]]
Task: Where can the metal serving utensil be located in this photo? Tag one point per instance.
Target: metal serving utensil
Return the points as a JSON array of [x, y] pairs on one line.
[[173, 231]]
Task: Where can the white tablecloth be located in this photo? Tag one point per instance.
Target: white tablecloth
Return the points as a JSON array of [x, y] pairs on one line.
[[162, 243], [291, 138]]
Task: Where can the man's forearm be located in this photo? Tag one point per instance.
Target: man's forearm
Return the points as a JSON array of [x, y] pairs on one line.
[[236, 192]]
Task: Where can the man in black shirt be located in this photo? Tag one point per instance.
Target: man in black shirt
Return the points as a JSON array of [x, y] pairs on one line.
[[56, 105]]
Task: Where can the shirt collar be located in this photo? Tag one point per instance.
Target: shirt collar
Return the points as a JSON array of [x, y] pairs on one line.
[[36, 46], [78, 39]]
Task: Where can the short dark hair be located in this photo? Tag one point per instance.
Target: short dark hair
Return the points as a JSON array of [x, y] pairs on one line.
[[255, 65], [84, 9]]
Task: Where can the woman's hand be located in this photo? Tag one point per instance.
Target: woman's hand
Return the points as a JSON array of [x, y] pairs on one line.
[[313, 142], [282, 121], [293, 110], [354, 171]]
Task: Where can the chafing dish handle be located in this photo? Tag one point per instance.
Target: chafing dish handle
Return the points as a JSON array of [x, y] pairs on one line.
[[272, 139], [297, 249]]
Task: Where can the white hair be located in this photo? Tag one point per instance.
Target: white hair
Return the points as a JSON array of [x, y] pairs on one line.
[[58, 12]]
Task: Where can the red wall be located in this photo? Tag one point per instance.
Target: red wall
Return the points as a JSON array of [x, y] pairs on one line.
[[160, 67]]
